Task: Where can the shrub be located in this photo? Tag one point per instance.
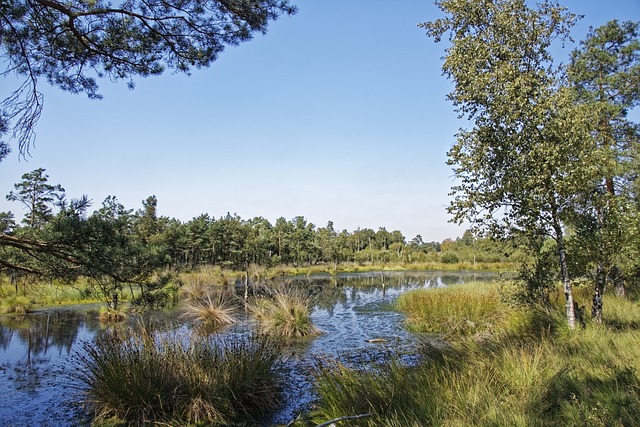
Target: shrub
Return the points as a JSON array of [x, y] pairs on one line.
[[449, 258]]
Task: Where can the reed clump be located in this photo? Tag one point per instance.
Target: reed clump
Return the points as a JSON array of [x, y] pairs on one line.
[[463, 310], [110, 315], [286, 314], [177, 379]]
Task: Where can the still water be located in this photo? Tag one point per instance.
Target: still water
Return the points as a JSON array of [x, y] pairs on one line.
[[37, 350]]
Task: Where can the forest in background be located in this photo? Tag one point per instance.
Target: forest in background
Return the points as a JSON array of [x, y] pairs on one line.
[[228, 241]]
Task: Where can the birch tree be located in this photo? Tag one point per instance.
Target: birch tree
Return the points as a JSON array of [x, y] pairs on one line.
[[527, 152]]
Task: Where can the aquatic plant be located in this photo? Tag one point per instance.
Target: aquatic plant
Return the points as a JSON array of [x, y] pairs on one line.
[[287, 314], [212, 311], [177, 379]]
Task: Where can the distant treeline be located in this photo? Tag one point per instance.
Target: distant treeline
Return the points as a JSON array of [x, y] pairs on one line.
[[236, 243], [233, 242], [58, 236]]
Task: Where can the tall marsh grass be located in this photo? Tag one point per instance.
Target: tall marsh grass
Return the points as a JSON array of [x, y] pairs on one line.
[[142, 379], [210, 276], [529, 370], [461, 310], [15, 305]]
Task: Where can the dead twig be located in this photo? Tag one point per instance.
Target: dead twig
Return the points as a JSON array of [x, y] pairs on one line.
[[347, 417]]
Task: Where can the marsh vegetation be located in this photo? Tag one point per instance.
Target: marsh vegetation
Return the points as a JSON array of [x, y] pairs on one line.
[[518, 366]]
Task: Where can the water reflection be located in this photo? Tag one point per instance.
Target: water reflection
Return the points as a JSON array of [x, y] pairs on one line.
[[351, 310]]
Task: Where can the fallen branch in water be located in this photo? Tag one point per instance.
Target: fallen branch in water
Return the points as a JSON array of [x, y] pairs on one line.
[[347, 417]]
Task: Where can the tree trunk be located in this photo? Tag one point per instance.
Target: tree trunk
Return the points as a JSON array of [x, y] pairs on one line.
[[114, 301], [619, 287], [598, 292], [566, 280]]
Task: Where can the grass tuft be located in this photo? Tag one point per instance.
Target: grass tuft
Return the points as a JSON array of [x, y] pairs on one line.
[[142, 379], [213, 312], [16, 305], [108, 315], [287, 315]]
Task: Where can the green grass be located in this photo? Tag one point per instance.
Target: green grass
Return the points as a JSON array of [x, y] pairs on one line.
[[141, 379], [287, 315], [15, 305], [461, 310], [527, 369], [210, 276]]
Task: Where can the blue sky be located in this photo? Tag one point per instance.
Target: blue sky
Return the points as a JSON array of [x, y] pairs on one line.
[[337, 113]]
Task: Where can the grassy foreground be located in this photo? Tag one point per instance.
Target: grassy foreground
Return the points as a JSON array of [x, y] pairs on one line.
[[500, 366]]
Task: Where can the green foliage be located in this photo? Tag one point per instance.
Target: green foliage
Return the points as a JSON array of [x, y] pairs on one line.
[[139, 378], [115, 253], [547, 144], [449, 258], [534, 280], [37, 196]]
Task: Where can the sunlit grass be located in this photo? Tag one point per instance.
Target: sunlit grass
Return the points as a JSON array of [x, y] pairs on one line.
[[212, 311], [210, 276], [530, 370], [461, 310], [109, 315], [287, 314], [15, 305]]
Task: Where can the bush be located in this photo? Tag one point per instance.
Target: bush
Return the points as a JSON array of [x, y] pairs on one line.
[[449, 258]]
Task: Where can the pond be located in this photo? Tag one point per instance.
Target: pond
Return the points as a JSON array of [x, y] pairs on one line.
[[36, 350]]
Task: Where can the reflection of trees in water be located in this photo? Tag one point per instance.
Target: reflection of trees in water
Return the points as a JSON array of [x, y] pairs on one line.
[[40, 333], [6, 334]]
